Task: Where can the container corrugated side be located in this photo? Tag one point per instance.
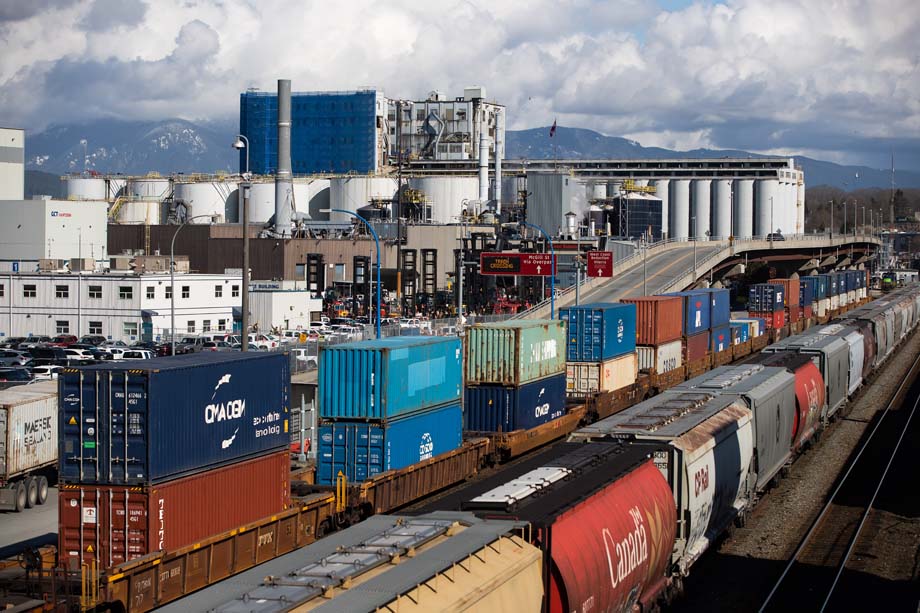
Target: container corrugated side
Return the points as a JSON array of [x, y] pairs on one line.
[[696, 311], [599, 331], [385, 378], [719, 306], [138, 424], [766, 297], [362, 449], [720, 338], [515, 352], [696, 347], [659, 319], [741, 331], [28, 428], [586, 378], [501, 408], [170, 515], [662, 358]]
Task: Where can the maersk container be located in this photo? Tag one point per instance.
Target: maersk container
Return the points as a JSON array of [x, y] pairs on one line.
[[741, 332], [505, 408], [515, 352], [659, 319], [138, 423], [599, 331], [697, 311], [721, 338], [588, 378], [662, 358], [386, 378], [362, 449], [766, 298], [28, 443], [719, 306]]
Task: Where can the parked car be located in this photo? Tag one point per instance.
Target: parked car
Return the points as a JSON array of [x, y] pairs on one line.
[[216, 346], [13, 376], [95, 352], [10, 357], [775, 236], [190, 344], [44, 356], [64, 340], [12, 342], [114, 344], [34, 341], [46, 373], [92, 339], [291, 336], [79, 354], [137, 354], [117, 353]]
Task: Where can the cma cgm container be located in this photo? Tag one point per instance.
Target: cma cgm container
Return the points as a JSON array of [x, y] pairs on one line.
[[659, 319], [661, 358], [721, 338], [141, 423], [604, 515], [696, 310], [719, 306], [168, 516], [766, 298], [586, 378], [505, 408], [515, 352], [362, 449], [696, 347], [386, 378], [28, 444], [599, 331]]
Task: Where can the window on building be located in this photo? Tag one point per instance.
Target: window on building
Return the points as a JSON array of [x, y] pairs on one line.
[[28, 291], [221, 324], [2, 291], [125, 292], [206, 325], [186, 292], [218, 291], [95, 291], [151, 293], [95, 327], [62, 326], [61, 291], [235, 291], [168, 292], [191, 326], [129, 328]]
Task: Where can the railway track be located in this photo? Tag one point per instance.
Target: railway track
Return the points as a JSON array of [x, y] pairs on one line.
[[819, 575]]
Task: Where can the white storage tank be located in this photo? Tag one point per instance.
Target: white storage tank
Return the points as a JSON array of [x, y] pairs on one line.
[[766, 202], [700, 205], [84, 188], [261, 201], [800, 204], [596, 190], [680, 209], [148, 188], [722, 208], [319, 199], [743, 209], [447, 195], [140, 212], [115, 188], [614, 188], [352, 193], [217, 198], [662, 193]]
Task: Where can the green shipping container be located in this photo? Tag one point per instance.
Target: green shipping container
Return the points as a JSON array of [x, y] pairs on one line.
[[515, 352]]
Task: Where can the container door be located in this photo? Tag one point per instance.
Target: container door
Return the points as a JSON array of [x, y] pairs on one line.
[[82, 405], [127, 428], [4, 416], [79, 533]]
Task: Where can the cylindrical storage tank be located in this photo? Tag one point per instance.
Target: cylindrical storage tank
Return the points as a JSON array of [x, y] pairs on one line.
[[679, 220], [115, 188], [84, 188], [261, 202], [700, 207], [614, 188], [148, 188], [352, 193], [319, 199], [800, 205], [662, 192], [743, 209], [447, 195], [301, 196], [767, 199], [640, 182], [722, 208], [596, 190], [140, 212], [206, 198]]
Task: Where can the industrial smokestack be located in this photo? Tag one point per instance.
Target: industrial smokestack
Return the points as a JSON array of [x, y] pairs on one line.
[[499, 126], [284, 184], [483, 161]]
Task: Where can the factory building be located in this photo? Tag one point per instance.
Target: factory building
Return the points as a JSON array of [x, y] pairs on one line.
[[12, 163]]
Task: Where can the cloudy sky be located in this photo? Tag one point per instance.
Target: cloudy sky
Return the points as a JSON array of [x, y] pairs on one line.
[[834, 79]]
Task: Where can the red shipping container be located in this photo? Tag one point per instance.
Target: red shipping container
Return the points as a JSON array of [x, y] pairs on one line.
[[696, 347], [774, 320], [794, 313], [807, 312], [659, 319], [791, 294], [169, 515]]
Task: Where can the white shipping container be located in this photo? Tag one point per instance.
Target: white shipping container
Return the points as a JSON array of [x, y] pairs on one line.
[[835, 302], [753, 325], [851, 296], [584, 378], [824, 305], [662, 358], [28, 428]]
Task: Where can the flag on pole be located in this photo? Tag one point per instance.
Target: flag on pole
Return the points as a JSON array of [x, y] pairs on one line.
[[552, 130]]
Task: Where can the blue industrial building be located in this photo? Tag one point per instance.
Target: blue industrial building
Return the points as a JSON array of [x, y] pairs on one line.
[[330, 131]]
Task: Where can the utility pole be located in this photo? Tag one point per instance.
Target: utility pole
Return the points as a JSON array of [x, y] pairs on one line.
[[399, 202]]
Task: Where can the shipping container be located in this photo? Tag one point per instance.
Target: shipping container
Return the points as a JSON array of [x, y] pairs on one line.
[[139, 423], [790, 291], [741, 332], [659, 319], [719, 306], [819, 285], [758, 325], [766, 298], [696, 347], [809, 393], [824, 305], [28, 444], [833, 356], [793, 313], [696, 309], [662, 358], [113, 524], [721, 338], [586, 378], [505, 408], [515, 352], [708, 462], [386, 378], [362, 449], [806, 293], [773, 319], [599, 331]]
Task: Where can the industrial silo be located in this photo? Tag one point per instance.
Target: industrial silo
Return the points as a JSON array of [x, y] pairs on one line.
[[353, 193], [261, 201], [766, 201], [319, 199], [84, 188], [679, 209], [216, 198], [148, 188], [614, 188], [662, 193], [447, 195], [800, 203], [722, 208], [596, 190], [701, 208], [743, 209]]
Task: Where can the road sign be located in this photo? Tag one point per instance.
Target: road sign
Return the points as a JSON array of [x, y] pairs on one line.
[[600, 263], [524, 264]]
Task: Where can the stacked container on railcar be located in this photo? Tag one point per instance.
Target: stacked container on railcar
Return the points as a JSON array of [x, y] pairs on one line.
[[659, 330], [767, 301], [791, 298], [697, 323], [600, 347]]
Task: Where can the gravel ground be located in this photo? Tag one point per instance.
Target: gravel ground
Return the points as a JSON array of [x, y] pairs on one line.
[[741, 571]]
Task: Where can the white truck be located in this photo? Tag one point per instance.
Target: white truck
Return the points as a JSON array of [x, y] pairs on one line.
[[28, 444]]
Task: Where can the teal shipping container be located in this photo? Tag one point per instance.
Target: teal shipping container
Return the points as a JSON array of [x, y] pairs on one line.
[[386, 378], [515, 352]]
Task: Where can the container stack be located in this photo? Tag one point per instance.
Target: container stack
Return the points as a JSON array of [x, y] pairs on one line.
[[747, 328], [807, 288], [697, 311], [515, 375], [600, 347], [791, 298], [821, 301], [852, 286], [659, 332], [386, 404], [719, 318], [767, 301], [833, 290], [146, 450]]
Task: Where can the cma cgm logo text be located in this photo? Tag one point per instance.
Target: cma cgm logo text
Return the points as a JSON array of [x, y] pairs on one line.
[[223, 411], [426, 447], [60, 214]]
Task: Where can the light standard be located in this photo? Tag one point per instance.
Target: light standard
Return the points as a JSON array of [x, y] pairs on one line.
[[693, 238], [172, 278], [831, 202], [377, 243], [243, 143], [552, 279]]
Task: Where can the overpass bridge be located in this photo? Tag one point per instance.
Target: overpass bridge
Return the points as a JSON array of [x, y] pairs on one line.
[[674, 265]]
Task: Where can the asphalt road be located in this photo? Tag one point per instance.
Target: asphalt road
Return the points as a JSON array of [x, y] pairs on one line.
[[35, 526]]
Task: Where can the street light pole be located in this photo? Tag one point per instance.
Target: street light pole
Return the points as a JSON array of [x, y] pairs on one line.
[[552, 279], [377, 243], [243, 143], [693, 238], [172, 279]]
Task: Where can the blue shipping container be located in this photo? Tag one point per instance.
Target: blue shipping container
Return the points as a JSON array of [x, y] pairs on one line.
[[141, 423], [720, 311], [383, 379], [599, 331], [765, 298], [806, 294], [497, 408], [834, 284], [820, 285], [696, 311], [741, 332], [362, 449], [721, 338]]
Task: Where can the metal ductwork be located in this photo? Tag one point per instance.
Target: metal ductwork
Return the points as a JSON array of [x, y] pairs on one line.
[[284, 183], [499, 130], [483, 161]]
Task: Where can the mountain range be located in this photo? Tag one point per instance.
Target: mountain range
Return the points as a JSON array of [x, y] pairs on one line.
[[181, 146]]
